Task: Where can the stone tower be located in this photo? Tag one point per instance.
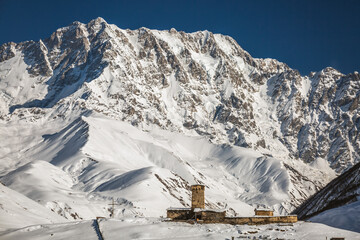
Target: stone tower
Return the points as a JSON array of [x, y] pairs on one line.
[[198, 196]]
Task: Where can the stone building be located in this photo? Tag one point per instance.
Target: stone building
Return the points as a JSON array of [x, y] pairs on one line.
[[180, 213], [264, 212], [198, 213]]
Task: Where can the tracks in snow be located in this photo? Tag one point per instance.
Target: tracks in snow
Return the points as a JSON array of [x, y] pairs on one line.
[[96, 227]]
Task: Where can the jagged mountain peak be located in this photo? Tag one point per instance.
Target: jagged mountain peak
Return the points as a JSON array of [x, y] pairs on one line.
[[98, 20]]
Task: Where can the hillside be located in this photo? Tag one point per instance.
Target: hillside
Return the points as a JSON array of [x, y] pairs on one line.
[[337, 204]]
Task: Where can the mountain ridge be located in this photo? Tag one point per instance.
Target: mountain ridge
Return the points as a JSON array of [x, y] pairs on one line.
[[97, 45]]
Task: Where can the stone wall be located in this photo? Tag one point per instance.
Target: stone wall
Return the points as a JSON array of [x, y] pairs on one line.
[[180, 214], [220, 217], [212, 216], [261, 220]]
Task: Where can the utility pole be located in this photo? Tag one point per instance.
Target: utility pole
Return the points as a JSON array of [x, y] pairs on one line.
[[112, 209]]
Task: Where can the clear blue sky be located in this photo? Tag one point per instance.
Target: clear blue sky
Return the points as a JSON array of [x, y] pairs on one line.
[[307, 35]]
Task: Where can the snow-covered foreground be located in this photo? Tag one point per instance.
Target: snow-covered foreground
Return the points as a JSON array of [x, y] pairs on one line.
[[150, 228]]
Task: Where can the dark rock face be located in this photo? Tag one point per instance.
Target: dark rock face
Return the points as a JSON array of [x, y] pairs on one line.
[[199, 82], [36, 58], [342, 190], [7, 51]]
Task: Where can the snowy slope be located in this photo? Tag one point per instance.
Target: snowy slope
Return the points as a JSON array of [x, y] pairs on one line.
[[344, 217], [92, 160], [130, 228], [17, 211], [337, 204], [95, 159]]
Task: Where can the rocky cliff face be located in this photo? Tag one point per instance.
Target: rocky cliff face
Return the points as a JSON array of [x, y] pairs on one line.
[[195, 83]]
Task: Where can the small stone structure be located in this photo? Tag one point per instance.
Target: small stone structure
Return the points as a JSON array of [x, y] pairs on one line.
[[198, 213], [264, 212]]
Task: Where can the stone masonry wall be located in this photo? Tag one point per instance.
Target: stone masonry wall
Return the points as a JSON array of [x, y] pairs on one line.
[[209, 216], [261, 220], [179, 214]]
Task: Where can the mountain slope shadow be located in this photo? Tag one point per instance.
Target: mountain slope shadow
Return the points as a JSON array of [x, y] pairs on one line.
[[68, 142]]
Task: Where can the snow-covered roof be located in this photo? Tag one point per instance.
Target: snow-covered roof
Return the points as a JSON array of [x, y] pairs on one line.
[[264, 209], [208, 210], [183, 209]]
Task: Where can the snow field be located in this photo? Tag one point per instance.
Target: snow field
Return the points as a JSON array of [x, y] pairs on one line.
[[150, 228]]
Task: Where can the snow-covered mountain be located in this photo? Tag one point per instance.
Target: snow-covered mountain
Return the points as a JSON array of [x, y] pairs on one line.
[[199, 83], [95, 112]]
